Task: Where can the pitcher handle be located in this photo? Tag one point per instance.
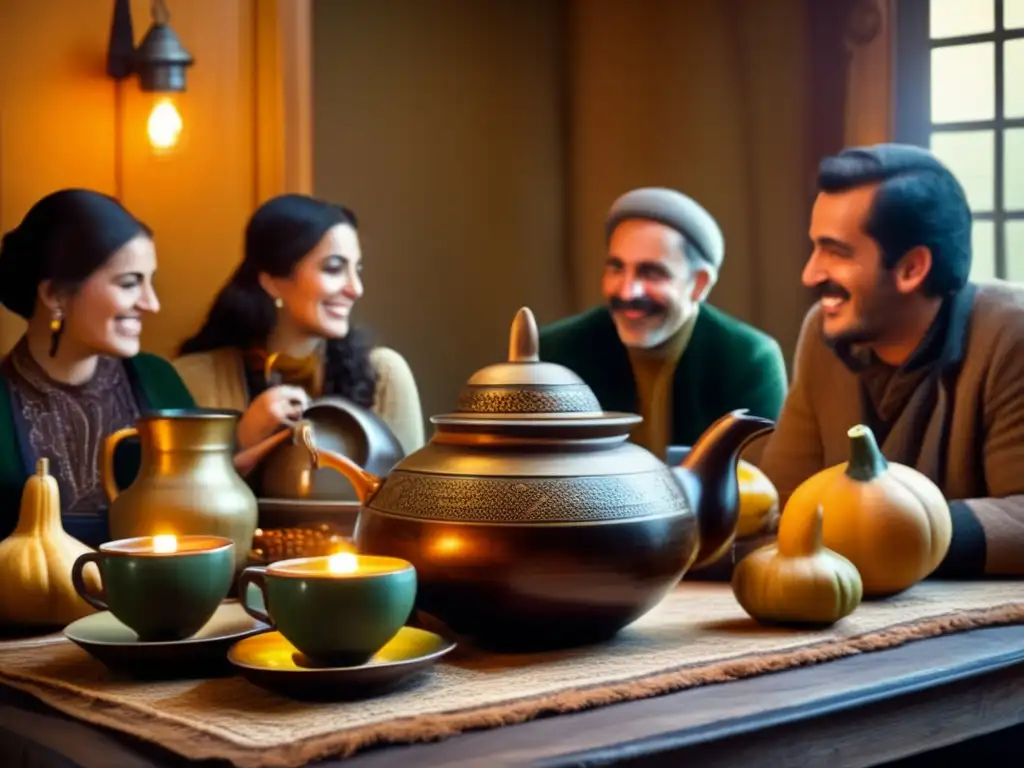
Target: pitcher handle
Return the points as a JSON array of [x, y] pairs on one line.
[[107, 476]]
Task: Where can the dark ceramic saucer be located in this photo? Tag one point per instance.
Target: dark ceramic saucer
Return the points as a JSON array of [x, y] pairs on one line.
[[270, 661], [202, 655]]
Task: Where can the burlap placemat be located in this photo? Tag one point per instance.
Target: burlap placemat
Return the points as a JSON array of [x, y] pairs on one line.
[[697, 636]]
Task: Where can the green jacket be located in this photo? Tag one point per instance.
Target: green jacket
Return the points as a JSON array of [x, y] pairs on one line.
[[156, 385], [726, 365]]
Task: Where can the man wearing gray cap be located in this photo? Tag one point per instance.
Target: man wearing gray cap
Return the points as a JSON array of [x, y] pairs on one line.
[[655, 348]]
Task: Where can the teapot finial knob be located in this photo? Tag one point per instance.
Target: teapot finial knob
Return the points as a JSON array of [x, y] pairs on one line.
[[523, 343]]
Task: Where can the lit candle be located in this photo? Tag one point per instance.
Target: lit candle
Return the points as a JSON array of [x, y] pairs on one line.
[[165, 544], [341, 565], [343, 562]]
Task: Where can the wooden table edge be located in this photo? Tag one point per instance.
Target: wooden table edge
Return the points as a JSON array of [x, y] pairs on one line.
[[1007, 652], [890, 693]]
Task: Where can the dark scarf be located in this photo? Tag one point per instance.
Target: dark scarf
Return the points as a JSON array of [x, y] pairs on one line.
[[887, 392]]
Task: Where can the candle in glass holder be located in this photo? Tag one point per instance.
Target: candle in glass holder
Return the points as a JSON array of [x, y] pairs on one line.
[[351, 604], [165, 544], [342, 565], [163, 587]]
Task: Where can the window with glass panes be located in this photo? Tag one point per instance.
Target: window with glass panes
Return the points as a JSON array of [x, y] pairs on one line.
[[960, 92]]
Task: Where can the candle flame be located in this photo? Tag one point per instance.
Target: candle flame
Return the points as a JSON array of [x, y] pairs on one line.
[[340, 544], [343, 562], [165, 544]]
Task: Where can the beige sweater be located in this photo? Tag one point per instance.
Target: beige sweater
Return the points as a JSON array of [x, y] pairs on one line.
[[967, 435], [217, 380]]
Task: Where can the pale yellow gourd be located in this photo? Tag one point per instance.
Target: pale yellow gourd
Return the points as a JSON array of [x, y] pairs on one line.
[[36, 560], [759, 501], [796, 581], [888, 519]]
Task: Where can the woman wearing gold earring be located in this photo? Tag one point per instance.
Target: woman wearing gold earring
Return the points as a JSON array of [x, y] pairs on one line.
[[79, 268], [286, 310], [56, 326]]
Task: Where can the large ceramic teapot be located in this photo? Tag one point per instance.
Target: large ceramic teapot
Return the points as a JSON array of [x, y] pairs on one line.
[[531, 521]]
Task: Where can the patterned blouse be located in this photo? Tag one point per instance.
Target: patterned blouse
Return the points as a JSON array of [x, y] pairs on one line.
[[68, 424]]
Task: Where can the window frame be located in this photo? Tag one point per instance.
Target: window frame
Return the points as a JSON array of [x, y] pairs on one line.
[[912, 47]]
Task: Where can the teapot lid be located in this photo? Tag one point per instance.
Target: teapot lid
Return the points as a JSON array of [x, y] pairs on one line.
[[525, 389]]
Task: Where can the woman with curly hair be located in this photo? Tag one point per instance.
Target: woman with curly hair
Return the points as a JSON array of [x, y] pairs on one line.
[[290, 301]]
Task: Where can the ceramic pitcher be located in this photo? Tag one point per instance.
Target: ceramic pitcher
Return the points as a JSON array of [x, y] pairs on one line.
[[187, 482]]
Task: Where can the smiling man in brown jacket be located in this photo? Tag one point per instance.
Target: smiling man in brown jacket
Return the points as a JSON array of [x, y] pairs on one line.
[[901, 341]]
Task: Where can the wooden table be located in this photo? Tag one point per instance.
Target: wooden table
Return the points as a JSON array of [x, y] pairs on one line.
[[863, 710]]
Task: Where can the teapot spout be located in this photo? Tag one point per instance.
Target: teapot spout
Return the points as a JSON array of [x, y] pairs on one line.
[[366, 484], [708, 479]]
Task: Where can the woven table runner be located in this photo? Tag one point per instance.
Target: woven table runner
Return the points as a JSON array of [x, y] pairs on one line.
[[697, 636]]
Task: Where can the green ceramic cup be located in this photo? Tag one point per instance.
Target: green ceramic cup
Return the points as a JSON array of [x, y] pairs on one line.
[[337, 610], [164, 588]]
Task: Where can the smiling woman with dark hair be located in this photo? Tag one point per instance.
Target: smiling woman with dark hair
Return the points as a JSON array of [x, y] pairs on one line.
[[289, 303], [79, 268]]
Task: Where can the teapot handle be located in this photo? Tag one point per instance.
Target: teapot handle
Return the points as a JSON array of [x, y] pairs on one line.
[[107, 476]]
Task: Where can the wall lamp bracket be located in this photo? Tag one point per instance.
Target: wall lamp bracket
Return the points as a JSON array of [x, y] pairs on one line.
[[160, 61]]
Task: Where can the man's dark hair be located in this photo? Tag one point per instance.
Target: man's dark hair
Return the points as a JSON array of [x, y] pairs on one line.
[[918, 203]]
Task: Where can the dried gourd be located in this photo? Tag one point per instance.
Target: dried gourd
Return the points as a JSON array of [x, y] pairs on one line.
[[759, 501], [796, 581], [888, 519], [36, 561]]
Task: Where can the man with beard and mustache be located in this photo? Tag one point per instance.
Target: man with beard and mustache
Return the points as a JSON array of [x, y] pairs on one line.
[[656, 348], [901, 341]]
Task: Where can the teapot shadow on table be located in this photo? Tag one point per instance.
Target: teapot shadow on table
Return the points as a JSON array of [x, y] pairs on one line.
[[531, 520]]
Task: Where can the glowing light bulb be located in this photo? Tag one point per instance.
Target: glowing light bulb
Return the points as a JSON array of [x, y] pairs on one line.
[[165, 544], [343, 562], [164, 125]]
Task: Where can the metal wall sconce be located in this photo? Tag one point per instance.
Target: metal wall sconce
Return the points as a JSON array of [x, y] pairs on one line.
[[160, 62]]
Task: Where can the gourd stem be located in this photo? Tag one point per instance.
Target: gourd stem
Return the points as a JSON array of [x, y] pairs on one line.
[[866, 460], [806, 540], [39, 512]]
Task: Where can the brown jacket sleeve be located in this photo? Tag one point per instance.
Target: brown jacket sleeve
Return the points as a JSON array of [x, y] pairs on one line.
[[988, 533], [793, 452]]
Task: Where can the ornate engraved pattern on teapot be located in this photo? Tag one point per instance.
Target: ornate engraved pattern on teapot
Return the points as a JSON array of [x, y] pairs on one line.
[[563, 399], [536, 500]]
